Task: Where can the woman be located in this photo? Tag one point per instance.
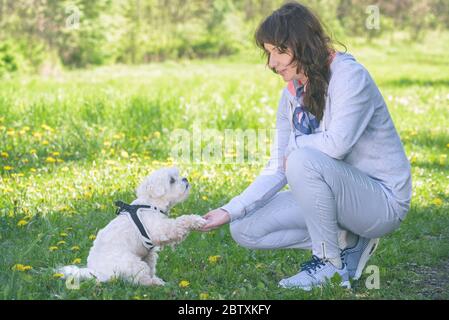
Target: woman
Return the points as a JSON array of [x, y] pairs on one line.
[[337, 149]]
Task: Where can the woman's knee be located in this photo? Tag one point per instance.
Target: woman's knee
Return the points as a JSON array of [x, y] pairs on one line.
[[301, 162]]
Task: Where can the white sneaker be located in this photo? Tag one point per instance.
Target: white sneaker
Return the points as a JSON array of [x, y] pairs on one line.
[[356, 257], [316, 272]]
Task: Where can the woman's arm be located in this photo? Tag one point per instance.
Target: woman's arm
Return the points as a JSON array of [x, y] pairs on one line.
[[353, 96], [269, 182]]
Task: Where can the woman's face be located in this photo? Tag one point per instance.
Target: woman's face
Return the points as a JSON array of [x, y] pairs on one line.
[[280, 61]]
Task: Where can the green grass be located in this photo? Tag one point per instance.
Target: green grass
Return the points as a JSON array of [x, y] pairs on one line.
[[72, 145]]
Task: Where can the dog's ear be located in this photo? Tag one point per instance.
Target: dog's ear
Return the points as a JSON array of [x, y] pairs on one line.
[[152, 187], [156, 191]]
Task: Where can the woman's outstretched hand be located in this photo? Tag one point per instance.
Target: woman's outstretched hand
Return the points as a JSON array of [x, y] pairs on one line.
[[215, 219]]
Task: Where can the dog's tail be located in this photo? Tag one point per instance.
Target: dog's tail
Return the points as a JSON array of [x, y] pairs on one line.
[[76, 272]]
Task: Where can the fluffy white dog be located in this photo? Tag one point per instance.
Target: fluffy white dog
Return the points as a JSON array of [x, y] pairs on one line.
[[120, 250]]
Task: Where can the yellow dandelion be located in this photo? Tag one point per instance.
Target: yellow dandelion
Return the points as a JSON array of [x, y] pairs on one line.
[[8, 168], [53, 248], [45, 143], [214, 259], [124, 154], [4, 154], [92, 237], [21, 223], [75, 248], [63, 234], [55, 154], [20, 267], [8, 190], [157, 134], [184, 283], [447, 146], [37, 135], [10, 132], [47, 128], [437, 202], [76, 261], [204, 198], [33, 170], [88, 194], [50, 160], [58, 275], [61, 242], [18, 175], [204, 296]]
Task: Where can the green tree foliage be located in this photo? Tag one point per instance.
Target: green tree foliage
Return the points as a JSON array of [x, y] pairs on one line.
[[79, 33]]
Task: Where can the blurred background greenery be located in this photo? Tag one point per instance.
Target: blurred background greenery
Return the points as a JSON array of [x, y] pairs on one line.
[[46, 36]]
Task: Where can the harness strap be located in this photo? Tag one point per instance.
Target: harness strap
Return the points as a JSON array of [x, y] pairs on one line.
[[131, 211]]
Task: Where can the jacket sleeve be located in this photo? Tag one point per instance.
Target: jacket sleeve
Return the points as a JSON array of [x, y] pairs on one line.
[[352, 107], [272, 178]]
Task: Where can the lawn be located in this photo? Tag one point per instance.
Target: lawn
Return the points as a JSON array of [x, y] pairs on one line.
[[73, 144]]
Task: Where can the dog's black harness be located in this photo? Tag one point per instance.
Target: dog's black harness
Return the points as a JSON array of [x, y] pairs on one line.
[[131, 211]]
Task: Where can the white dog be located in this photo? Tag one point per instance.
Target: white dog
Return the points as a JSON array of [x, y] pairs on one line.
[[120, 249]]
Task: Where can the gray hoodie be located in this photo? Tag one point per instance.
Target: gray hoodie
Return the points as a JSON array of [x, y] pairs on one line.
[[356, 128]]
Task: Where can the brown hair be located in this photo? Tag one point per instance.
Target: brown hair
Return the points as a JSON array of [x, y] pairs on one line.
[[293, 26]]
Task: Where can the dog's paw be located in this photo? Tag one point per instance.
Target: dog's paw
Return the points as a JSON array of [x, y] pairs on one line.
[[197, 222], [191, 221], [151, 281], [158, 281]]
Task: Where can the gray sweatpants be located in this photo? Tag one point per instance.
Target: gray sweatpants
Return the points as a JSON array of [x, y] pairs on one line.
[[327, 198]]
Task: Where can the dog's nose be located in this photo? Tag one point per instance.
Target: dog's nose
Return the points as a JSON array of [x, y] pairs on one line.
[[185, 180]]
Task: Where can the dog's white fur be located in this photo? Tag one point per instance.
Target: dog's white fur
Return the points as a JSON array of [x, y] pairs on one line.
[[118, 250]]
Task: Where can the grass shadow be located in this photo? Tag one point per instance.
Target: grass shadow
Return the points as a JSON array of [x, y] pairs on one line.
[[410, 82]]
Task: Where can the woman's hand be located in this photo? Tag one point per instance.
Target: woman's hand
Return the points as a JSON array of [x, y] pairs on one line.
[[215, 219]]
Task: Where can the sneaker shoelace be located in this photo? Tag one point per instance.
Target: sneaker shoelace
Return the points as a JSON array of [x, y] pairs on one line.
[[312, 265]]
